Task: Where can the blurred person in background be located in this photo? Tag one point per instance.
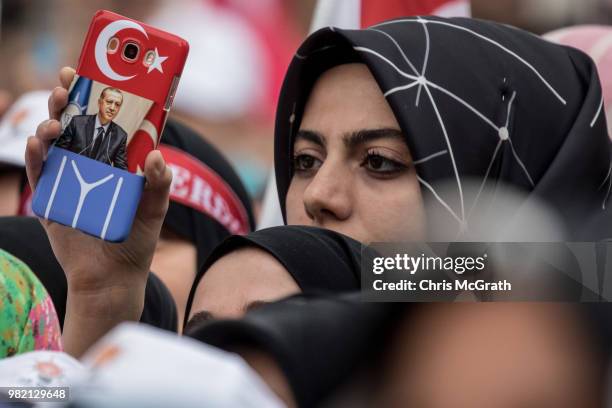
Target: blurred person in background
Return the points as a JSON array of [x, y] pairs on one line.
[[498, 355], [270, 264], [17, 124], [339, 351]]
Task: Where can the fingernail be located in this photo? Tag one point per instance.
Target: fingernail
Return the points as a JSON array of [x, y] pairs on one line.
[[160, 166]]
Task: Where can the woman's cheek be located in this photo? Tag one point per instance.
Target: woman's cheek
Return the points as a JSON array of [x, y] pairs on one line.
[[294, 203]]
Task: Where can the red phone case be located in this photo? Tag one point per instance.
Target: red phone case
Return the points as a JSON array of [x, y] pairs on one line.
[[126, 79], [157, 83]]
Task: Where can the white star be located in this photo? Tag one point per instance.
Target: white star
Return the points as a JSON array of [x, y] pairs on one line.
[[157, 63]]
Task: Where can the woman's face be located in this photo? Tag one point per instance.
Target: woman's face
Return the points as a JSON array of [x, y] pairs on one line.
[[353, 172], [239, 281]]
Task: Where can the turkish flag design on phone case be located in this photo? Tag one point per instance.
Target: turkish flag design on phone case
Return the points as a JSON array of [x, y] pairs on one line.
[[155, 81]]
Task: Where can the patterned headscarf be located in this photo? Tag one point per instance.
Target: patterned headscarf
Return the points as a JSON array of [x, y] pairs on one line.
[[478, 102], [27, 317]]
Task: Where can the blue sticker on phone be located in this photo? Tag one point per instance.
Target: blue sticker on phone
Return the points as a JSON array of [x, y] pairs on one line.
[[83, 193]]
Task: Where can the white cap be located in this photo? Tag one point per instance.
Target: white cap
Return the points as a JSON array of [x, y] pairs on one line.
[[20, 122], [40, 368], [137, 365]]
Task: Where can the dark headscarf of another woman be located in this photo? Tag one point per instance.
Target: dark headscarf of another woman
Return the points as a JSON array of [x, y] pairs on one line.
[[476, 100], [208, 202], [316, 258], [320, 341]]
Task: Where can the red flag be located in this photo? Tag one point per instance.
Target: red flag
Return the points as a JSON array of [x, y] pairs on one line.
[[198, 186], [375, 11], [145, 138], [364, 13]]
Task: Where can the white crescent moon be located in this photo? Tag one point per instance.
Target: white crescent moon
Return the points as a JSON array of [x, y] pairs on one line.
[[150, 129], [102, 42]]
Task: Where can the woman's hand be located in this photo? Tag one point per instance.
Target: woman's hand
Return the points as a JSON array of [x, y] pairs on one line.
[[106, 281]]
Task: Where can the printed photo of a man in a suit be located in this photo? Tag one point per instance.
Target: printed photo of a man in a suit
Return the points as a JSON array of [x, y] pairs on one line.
[[97, 136]]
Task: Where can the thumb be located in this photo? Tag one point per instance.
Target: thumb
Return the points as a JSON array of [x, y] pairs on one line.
[[154, 202]]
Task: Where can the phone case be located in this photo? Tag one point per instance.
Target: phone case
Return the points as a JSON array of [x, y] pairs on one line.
[[126, 79]]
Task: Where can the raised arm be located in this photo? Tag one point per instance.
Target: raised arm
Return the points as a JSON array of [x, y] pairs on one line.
[[106, 281]]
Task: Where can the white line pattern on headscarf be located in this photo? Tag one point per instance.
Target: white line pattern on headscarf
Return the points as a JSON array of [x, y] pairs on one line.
[[609, 180], [502, 132], [399, 49], [431, 156], [450, 210], [450, 151], [485, 38], [598, 112], [425, 59]]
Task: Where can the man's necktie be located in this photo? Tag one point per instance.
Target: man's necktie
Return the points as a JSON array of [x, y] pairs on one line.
[[97, 143]]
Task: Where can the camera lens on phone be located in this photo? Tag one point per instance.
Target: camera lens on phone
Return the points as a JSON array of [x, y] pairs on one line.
[[113, 45], [130, 51]]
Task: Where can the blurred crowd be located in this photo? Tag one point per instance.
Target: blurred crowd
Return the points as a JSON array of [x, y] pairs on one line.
[[443, 121]]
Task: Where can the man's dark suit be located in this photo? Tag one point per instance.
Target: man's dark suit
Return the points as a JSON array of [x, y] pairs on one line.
[[78, 138]]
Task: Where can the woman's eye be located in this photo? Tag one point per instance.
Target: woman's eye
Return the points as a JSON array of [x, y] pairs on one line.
[[382, 165], [306, 162]]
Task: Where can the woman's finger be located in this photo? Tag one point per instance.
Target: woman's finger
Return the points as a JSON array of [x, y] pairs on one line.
[[154, 202], [34, 160], [66, 76], [46, 132], [57, 102]]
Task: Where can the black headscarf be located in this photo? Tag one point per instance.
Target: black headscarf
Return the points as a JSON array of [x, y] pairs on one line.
[[316, 258], [475, 100], [26, 239], [201, 229]]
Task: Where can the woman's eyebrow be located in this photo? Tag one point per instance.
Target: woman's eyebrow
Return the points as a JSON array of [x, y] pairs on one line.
[[311, 136], [202, 316], [254, 305], [359, 137]]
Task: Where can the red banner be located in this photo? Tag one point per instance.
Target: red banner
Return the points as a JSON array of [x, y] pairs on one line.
[[197, 186]]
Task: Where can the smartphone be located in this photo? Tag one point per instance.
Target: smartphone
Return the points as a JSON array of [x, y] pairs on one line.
[[125, 83]]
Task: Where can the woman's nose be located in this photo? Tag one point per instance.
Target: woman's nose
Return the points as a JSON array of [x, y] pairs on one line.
[[328, 195]]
